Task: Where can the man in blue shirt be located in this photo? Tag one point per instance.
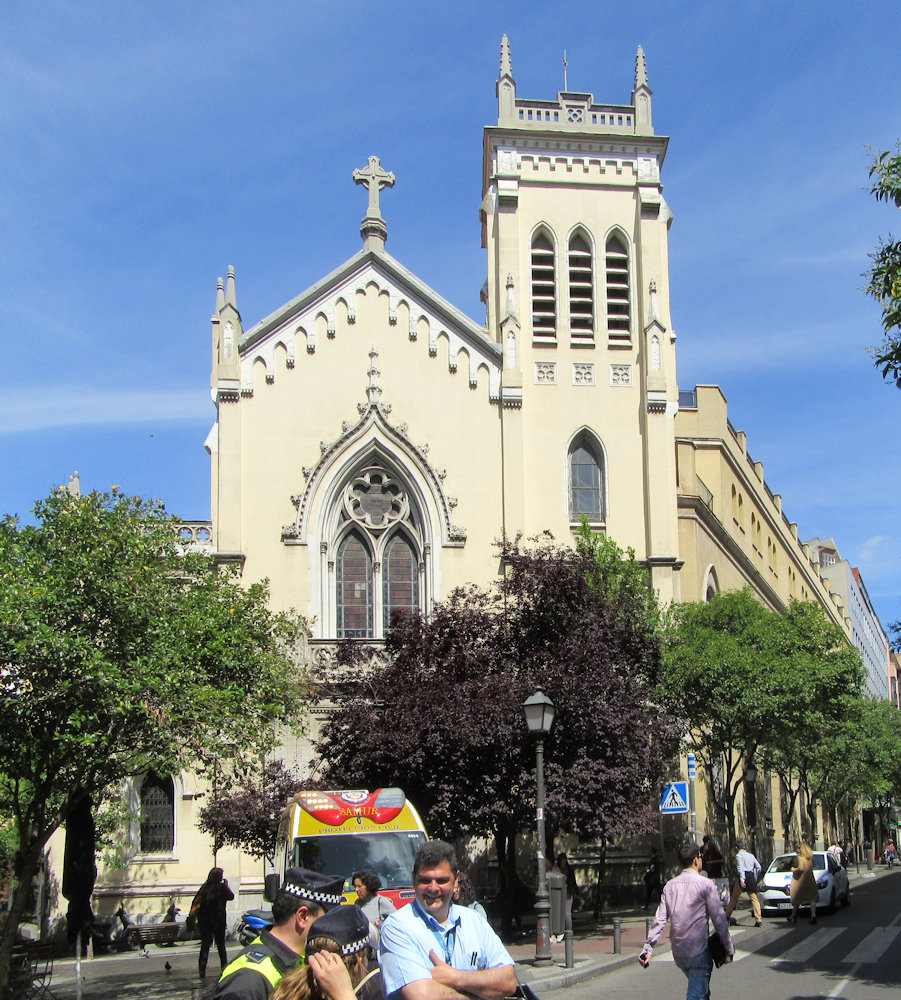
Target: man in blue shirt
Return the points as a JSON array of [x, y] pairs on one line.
[[434, 950]]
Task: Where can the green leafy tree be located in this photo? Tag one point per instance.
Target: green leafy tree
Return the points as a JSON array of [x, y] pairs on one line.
[[716, 680], [884, 283], [861, 758], [747, 680], [443, 719], [820, 679], [121, 653]]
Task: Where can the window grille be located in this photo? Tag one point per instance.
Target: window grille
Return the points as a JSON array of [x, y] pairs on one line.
[[157, 814]]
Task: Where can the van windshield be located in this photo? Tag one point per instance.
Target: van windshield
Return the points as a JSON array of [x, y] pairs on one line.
[[389, 855]]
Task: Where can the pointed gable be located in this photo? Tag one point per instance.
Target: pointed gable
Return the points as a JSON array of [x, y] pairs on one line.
[[428, 317]]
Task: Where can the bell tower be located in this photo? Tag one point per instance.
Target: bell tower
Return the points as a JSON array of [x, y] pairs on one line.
[[576, 231]]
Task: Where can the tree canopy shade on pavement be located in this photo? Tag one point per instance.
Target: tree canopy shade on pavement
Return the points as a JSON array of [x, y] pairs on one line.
[[885, 272], [121, 653], [443, 718]]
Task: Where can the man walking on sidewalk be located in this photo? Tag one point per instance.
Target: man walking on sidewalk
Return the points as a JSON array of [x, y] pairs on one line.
[[747, 871], [688, 901]]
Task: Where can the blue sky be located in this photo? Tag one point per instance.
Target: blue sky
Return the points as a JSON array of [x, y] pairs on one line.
[[147, 146]]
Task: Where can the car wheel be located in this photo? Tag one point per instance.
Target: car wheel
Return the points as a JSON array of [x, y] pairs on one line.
[[846, 899], [831, 907]]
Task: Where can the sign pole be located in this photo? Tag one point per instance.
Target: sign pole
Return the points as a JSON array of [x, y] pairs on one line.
[[692, 767]]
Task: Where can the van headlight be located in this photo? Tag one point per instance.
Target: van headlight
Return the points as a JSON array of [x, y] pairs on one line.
[[822, 882]]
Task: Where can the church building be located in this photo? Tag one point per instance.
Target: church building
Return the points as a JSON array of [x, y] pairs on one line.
[[372, 441]]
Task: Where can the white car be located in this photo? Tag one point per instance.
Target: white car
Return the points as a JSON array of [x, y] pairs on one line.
[[832, 881]]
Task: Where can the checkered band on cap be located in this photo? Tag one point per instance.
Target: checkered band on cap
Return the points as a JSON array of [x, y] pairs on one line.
[[327, 890], [354, 946], [346, 926], [302, 892]]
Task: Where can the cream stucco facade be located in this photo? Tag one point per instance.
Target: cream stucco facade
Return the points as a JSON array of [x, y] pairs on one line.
[[372, 442]]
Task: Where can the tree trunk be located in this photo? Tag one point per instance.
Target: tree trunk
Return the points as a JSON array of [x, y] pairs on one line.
[[508, 883], [27, 871], [602, 874]]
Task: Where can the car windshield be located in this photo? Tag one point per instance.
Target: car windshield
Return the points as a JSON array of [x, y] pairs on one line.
[[786, 862], [389, 855]]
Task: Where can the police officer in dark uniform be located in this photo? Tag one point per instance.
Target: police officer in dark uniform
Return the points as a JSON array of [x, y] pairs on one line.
[[304, 896]]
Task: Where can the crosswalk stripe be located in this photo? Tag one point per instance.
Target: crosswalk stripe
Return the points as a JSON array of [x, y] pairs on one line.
[[873, 946], [737, 957], [803, 950]]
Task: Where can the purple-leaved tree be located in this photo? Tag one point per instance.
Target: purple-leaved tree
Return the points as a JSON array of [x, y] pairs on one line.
[[444, 718]]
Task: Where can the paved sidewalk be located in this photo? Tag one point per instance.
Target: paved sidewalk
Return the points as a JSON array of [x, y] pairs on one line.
[[129, 975]]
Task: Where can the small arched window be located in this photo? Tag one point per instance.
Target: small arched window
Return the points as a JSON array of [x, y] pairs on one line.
[[619, 307], [544, 287], [581, 288], [157, 814], [354, 571], [586, 481]]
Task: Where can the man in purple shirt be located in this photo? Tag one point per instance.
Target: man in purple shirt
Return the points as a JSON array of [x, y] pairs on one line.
[[687, 901]]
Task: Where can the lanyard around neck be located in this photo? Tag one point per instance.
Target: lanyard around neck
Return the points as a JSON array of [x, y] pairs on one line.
[[445, 939]]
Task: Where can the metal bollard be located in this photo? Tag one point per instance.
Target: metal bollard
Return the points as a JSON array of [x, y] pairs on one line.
[[617, 936], [568, 948]]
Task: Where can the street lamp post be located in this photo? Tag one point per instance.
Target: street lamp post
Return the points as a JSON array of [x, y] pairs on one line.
[[539, 711]]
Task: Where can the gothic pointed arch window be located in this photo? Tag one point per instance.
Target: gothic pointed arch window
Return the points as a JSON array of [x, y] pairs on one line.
[[157, 804], [354, 570], [544, 286], [580, 272], [400, 577], [618, 286], [379, 553], [586, 479]]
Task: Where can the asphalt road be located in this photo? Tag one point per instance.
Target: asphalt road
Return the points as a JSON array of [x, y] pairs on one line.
[[854, 954]]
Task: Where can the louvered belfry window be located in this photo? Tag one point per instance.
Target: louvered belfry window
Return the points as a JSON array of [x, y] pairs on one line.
[[619, 312], [544, 287], [581, 288]]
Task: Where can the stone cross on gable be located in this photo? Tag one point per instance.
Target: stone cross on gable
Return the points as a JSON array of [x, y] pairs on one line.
[[373, 230], [375, 178]]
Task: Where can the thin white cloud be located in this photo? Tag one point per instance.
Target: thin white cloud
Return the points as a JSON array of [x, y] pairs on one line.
[[876, 549], [45, 407]]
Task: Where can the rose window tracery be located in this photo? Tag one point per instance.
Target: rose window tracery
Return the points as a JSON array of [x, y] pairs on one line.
[[375, 500]]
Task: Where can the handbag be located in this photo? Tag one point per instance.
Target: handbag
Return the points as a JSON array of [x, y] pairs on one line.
[[524, 991], [717, 949]]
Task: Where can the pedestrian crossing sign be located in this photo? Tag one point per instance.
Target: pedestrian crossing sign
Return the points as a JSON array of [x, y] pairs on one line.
[[674, 798]]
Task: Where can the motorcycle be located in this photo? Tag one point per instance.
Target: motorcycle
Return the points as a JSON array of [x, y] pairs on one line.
[[113, 933], [252, 924]]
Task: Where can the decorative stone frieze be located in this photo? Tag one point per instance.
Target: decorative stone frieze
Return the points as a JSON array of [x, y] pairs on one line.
[[374, 422], [583, 372]]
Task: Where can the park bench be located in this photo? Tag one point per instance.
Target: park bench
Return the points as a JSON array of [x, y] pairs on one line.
[[163, 935]]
